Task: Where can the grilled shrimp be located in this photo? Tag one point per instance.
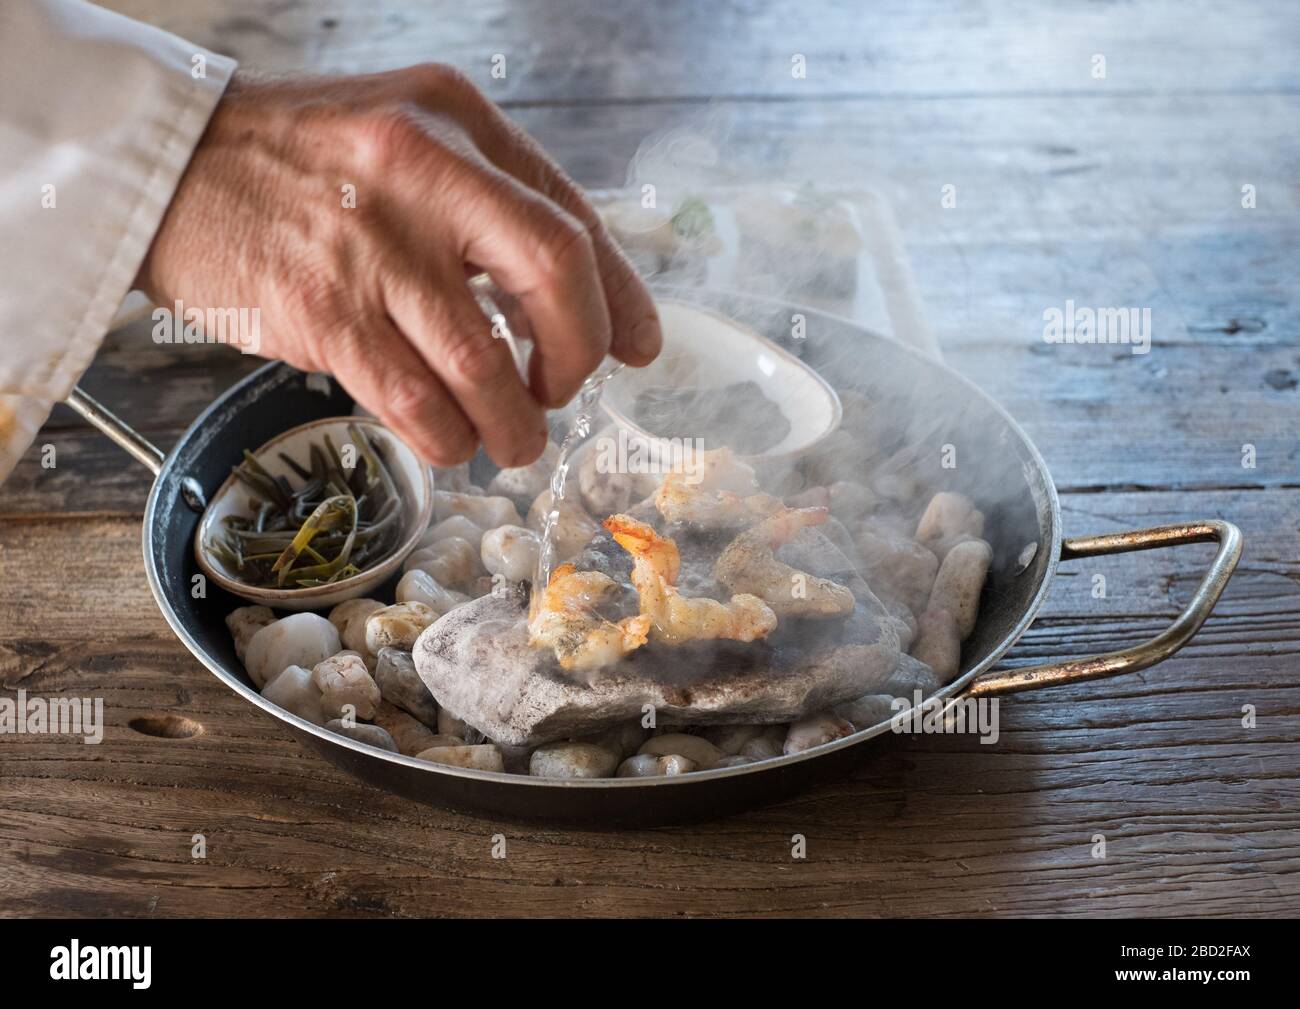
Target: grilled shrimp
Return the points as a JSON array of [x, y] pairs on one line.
[[723, 495], [678, 618], [748, 565], [566, 621]]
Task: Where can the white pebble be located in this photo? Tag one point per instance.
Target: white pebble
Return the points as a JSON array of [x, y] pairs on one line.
[[343, 682], [511, 551], [958, 584], [300, 639], [484, 512], [816, 730], [649, 765], [397, 626], [485, 757], [949, 514], [694, 748], [605, 493], [418, 586], [523, 483], [246, 621], [293, 690], [349, 618], [574, 528], [572, 760], [456, 525], [451, 562], [938, 643]]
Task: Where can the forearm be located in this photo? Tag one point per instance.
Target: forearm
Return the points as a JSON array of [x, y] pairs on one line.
[[98, 118]]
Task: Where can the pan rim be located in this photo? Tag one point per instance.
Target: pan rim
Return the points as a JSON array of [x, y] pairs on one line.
[[498, 778]]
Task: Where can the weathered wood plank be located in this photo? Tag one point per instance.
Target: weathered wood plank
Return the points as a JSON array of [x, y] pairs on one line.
[[45, 562], [1122, 192], [1178, 417], [157, 387], [1009, 824], [1199, 812], [1008, 827], [694, 50], [1132, 202]]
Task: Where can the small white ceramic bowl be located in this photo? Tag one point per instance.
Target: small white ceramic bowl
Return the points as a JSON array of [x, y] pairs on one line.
[[414, 481], [705, 348]]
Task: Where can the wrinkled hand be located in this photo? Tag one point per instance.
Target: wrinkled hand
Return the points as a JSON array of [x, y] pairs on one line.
[[445, 187]]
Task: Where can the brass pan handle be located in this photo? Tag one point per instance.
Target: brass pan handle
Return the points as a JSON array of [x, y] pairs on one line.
[[1163, 645]]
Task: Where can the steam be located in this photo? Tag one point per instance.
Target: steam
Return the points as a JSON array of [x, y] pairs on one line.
[[791, 259]]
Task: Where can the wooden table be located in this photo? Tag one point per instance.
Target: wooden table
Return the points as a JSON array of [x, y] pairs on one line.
[[1120, 191]]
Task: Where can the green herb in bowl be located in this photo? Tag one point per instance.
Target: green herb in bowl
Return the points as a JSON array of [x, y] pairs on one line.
[[339, 521]]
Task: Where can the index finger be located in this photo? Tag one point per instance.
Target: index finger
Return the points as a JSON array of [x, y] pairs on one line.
[[544, 257], [634, 323]]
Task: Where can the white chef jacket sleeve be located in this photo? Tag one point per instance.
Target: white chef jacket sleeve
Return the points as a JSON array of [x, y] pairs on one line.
[[99, 115]]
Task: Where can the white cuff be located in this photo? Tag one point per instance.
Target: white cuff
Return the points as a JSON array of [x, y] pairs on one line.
[[99, 116]]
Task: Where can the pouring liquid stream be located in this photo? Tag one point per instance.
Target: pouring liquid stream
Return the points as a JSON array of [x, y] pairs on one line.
[[585, 405]]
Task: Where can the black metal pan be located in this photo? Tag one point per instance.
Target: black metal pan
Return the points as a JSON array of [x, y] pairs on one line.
[[1023, 526]]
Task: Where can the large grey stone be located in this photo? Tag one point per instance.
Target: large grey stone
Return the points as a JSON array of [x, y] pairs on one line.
[[476, 660]]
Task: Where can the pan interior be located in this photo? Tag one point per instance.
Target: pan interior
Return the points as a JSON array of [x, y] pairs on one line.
[[996, 465], [957, 439]]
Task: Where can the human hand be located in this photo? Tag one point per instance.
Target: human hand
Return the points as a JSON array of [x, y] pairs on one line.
[[376, 294]]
